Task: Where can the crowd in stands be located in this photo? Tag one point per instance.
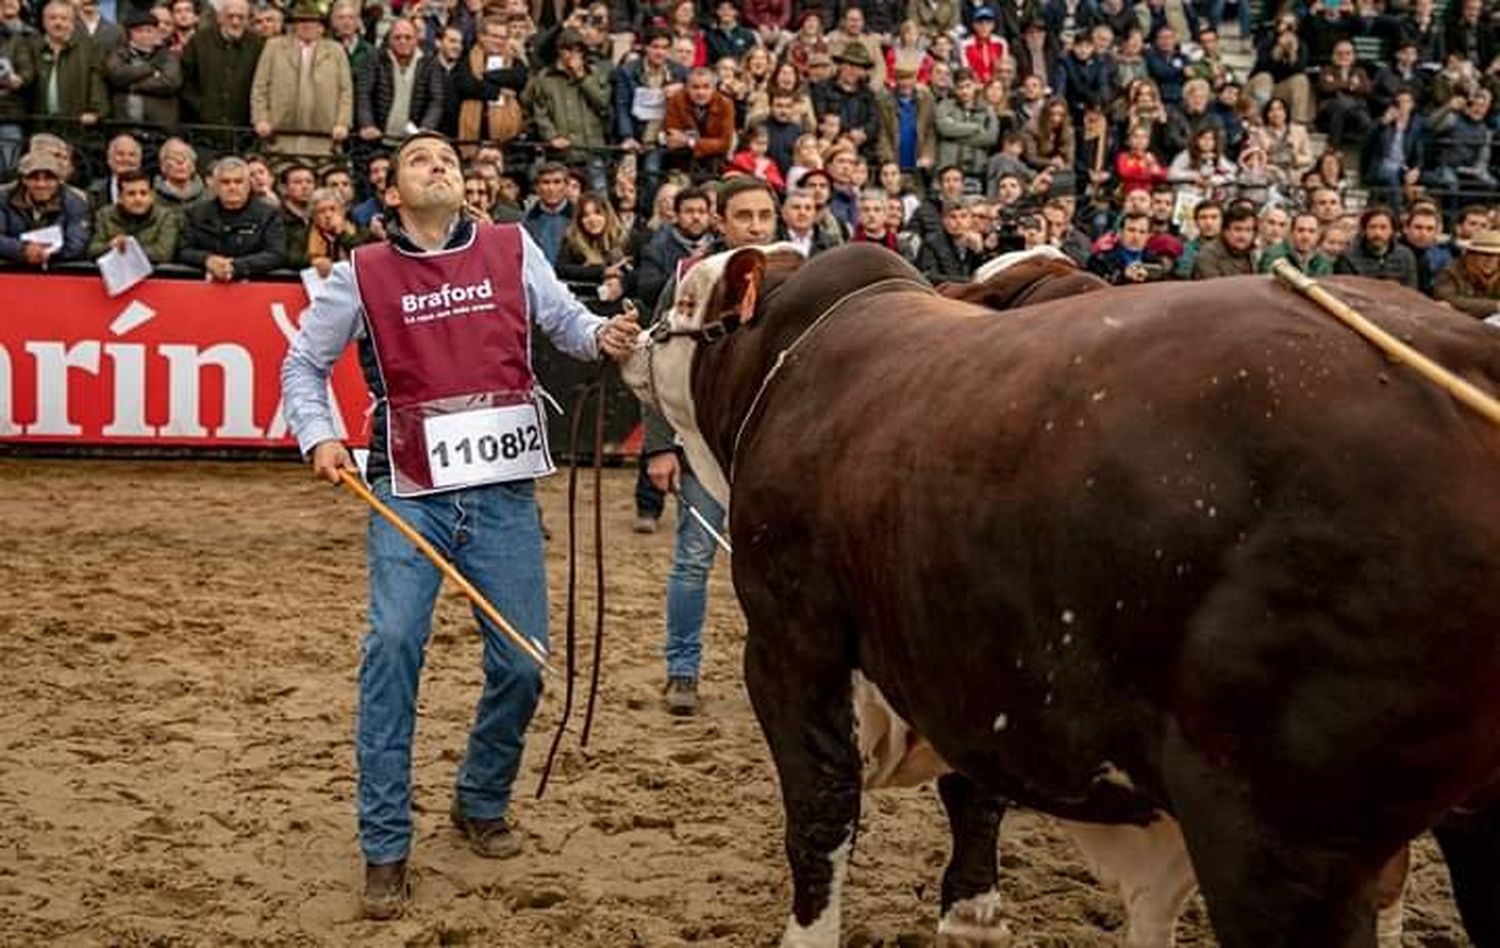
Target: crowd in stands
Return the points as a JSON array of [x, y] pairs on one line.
[[240, 140]]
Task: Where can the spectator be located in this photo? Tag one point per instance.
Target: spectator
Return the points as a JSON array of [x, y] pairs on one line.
[[1470, 222], [1326, 205], [218, 68], [16, 48], [874, 225], [1233, 253], [1376, 253], [348, 31], [40, 200], [184, 23], [688, 235], [134, 214], [1300, 249], [755, 159], [594, 254], [1390, 79], [927, 219], [1087, 76], [1210, 65], [90, 23], [231, 237], [1039, 54], [1344, 98], [1287, 147], [69, 70], [820, 185], [848, 96], [726, 38], [1464, 145], [1049, 139], [1137, 167], [570, 104], [444, 64], [550, 213], [799, 223], [489, 82], [952, 254], [332, 235], [1202, 165], [395, 94], [1335, 242], [177, 181], [302, 86], [297, 185], [1421, 233], [934, 16], [1127, 260], [144, 77], [1167, 66], [689, 46], [123, 154], [1275, 224], [1281, 70], [268, 21], [852, 31], [338, 180], [1014, 15], [1208, 224], [966, 129], [699, 126], [1191, 116], [1471, 34], [908, 122], [262, 181], [1472, 284], [1422, 33], [641, 88], [770, 20]]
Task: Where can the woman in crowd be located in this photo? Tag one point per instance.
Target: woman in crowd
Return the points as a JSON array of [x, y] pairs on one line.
[[894, 184], [908, 49], [683, 22], [595, 253], [1287, 147], [808, 39], [332, 235], [1049, 138], [1138, 166], [1330, 169], [1202, 165], [784, 78]]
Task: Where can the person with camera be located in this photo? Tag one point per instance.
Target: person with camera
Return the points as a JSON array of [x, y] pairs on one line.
[[1127, 260]]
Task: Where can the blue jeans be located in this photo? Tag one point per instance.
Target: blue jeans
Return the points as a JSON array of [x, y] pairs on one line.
[[493, 535], [687, 583]]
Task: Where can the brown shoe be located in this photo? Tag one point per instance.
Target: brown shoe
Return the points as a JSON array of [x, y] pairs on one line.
[[492, 839], [387, 890], [682, 695]]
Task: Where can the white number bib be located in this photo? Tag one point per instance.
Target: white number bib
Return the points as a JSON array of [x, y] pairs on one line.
[[486, 445]]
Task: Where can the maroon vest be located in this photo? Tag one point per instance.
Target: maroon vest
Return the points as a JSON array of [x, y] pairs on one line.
[[451, 334]]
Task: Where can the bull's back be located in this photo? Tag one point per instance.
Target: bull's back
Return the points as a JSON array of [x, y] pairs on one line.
[[1208, 504]]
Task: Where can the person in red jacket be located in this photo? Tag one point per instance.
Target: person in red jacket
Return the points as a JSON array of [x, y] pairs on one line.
[[755, 160], [984, 49], [699, 127], [1137, 167]]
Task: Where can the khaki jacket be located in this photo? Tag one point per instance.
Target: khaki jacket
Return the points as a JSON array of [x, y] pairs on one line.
[[273, 92]]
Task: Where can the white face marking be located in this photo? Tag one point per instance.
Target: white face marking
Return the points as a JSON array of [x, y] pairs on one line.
[[824, 930], [975, 921]]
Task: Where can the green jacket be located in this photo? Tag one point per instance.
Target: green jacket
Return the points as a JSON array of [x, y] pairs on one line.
[[1319, 265], [297, 228], [216, 77], [575, 109], [80, 78], [965, 136], [156, 232]]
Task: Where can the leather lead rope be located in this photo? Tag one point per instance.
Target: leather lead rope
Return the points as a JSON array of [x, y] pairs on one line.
[[597, 388]]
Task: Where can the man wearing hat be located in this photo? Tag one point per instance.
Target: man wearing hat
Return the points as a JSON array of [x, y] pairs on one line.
[[143, 75], [848, 95], [907, 122], [36, 203], [302, 84], [1472, 282]]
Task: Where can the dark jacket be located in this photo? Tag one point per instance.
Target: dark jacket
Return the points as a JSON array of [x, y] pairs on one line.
[[156, 231], [143, 87], [855, 109], [375, 92], [21, 51], [732, 43], [942, 260], [1111, 264], [253, 237], [1397, 264], [80, 78], [447, 80], [68, 210], [658, 263], [294, 230], [1169, 72], [216, 77], [1087, 83]]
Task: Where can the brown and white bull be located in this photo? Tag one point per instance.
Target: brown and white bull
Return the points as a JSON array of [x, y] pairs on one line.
[[1217, 560]]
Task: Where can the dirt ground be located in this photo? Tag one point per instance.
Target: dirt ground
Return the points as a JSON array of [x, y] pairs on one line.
[[178, 648]]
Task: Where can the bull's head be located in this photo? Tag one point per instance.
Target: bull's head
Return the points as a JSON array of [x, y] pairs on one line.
[[714, 297]]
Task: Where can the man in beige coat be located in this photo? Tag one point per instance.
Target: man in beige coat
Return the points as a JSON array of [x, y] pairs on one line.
[[302, 84]]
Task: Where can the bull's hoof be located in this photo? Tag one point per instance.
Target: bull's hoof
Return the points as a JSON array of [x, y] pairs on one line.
[[974, 923]]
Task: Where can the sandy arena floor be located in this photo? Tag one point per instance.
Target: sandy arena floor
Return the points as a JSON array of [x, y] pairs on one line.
[[178, 648]]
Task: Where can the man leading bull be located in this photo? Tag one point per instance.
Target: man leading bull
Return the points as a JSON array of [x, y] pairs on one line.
[[747, 218], [442, 317]]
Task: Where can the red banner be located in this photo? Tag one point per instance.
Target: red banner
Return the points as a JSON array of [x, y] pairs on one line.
[[171, 362]]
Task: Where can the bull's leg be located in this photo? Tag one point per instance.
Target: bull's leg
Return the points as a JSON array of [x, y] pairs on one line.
[[1266, 887], [1150, 865], [801, 697], [971, 883], [1471, 846]]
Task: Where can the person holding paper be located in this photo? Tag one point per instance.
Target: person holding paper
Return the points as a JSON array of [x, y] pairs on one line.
[[41, 221], [135, 214], [443, 315]]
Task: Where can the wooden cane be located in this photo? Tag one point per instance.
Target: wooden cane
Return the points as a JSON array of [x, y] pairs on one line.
[[1470, 395], [531, 647]]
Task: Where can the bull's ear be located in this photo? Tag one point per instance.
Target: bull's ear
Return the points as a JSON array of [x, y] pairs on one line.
[[742, 278]]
